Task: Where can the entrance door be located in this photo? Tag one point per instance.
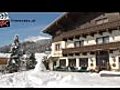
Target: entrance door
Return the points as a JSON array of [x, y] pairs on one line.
[[63, 63], [102, 59]]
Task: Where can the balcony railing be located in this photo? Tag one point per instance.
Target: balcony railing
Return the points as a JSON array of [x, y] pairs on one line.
[[107, 46], [88, 30]]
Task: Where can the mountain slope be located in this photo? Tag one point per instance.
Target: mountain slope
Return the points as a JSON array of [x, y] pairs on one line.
[[38, 46]]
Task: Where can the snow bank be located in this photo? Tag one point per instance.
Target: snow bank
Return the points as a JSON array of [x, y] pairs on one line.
[[51, 79], [39, 77], [5, 55], [109, 73]]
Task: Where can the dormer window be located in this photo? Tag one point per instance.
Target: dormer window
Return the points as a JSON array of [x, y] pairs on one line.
[[101, 21]]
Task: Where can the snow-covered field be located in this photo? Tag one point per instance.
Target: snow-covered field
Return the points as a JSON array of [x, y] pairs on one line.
[[53, 79], [39, 77]]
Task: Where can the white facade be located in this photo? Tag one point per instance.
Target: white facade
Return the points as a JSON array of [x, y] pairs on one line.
[[58, 53], [114, 36], [89, 40]]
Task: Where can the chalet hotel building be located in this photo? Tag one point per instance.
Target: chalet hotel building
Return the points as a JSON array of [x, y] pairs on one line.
[[85, 39]]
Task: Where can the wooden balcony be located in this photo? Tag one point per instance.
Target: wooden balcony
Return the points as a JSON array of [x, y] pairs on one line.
[[88, 30], [92, 48]]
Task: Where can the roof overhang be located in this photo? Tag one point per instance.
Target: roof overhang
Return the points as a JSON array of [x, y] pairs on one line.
[[47, 29], [68, 17]]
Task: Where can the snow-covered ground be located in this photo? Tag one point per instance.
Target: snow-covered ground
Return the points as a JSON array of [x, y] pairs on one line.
[[53, 79], [39, 77]]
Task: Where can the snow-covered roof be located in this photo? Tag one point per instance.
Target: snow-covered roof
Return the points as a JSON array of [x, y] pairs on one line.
[[5, 55]]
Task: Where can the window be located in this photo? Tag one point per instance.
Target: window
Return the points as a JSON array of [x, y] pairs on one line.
[[57, 47], [77, 54], [78, 43], [92, 53], [101, 21], [72, 62], [62, 62], [83, 62], [102, 40], [70, 54], [106, 39], [85, 53], [99, 40], [119, 60], [65, 55]]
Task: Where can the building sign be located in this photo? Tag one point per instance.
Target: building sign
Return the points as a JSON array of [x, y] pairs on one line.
[[4, 20]]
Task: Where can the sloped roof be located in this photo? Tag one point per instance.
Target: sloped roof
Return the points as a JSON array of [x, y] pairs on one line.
[[67, 18], [53, 22]]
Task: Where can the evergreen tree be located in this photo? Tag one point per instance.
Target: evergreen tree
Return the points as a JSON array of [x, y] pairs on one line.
[[14, 61], [17, 61]]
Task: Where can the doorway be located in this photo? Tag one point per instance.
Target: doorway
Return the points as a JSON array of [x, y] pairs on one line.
[[102, 60]]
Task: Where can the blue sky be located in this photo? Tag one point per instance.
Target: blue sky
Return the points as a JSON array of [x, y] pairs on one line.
[[26, 30]]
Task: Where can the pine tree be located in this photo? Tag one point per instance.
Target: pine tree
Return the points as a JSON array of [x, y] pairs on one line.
[[14, 61], [17, 61]]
